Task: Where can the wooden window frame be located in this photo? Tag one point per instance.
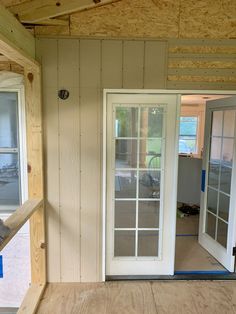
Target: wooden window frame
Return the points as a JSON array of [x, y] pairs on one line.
[[18, 45]]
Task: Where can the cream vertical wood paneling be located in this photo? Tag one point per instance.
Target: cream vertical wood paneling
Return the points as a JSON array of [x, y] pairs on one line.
[[133, 63], [72, 140], [48, 52], [155, 64], [112, 63], [90, 77], [69, 160]]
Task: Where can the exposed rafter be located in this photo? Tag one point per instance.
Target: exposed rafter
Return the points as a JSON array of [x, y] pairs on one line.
[[35, 11], [3, 58], [15, 41]]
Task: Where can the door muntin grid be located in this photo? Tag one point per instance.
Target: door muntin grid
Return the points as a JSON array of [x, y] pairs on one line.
[[220, 163], [138, 153]]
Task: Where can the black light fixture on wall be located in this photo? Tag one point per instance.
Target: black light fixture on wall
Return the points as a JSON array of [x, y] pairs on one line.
[[63, 94]]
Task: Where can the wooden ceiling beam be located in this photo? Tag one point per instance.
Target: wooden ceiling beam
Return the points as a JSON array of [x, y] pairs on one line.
[[16, 43], [3, 58], [35, 11]]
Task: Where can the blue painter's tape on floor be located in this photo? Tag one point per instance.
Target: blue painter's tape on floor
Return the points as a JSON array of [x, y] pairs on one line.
[[1, 268], [202, 272], [186, 235]]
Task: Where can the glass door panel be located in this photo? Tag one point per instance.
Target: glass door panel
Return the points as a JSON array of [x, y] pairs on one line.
[[137, 157], [217, 216], [220, 172], [142, 154]]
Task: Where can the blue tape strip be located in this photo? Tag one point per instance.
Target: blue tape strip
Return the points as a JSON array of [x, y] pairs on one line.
[[186, 235], [1, 267], [203, 180], [202, 272]]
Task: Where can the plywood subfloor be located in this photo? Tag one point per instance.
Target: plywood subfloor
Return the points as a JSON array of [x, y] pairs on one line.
[[138, 297]]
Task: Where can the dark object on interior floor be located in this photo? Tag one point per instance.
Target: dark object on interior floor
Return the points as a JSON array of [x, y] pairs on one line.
[[189, 209]]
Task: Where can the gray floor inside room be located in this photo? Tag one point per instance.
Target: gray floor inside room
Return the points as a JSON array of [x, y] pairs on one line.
[[190, 256]]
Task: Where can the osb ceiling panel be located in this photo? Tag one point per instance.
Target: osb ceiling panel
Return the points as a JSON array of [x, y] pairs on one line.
[[150, 18], [208, 18], [159, 18], [8, 3], [134, 18]]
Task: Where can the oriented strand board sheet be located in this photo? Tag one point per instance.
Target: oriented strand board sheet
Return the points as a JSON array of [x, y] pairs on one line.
[[152, 19], [207, 19], [129, 18], [197, 64]]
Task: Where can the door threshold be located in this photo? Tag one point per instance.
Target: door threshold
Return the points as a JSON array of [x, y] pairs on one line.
[[182, 276]]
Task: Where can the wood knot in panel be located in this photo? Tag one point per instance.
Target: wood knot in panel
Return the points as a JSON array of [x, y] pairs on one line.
[[30, 77]]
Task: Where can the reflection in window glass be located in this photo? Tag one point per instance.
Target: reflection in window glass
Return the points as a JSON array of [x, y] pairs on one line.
[[188, 135], [150, 153], [126, 153], [151, 122], [125, 184], [9, 155], [148, 216], [222, 231], [122, 128], [9, 180], [217, 123], [8, 120], [229, 123], [125, 214], [149, 184], [213, 175], [124, 243], [148, 243]]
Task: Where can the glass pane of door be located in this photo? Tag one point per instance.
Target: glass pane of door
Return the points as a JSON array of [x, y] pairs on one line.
[[220, 174], [139, 153]]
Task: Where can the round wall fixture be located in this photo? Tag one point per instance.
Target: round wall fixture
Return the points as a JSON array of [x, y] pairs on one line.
[[63, 94]]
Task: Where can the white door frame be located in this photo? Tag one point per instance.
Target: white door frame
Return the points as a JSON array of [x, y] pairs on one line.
[[104, 161]]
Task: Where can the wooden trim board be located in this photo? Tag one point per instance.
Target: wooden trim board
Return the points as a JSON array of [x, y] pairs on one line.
[[19, 218], [32, 299], [18, 45]]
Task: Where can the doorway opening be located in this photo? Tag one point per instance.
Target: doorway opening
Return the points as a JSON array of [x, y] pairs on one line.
[[190, 256]]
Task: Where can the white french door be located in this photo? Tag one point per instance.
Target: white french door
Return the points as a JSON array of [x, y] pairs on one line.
[[217, 229], [141, 155]]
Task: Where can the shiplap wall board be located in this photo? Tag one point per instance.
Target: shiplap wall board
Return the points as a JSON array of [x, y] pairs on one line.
[[73, 140]]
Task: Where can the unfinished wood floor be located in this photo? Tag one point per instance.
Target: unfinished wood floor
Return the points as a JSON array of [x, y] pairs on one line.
[[140, 297]]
